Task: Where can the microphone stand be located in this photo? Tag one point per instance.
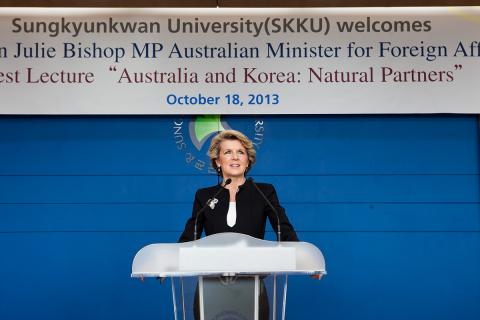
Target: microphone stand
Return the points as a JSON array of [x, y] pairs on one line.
[[209, 201]]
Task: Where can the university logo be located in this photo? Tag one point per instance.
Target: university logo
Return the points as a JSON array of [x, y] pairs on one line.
[[192, 136]]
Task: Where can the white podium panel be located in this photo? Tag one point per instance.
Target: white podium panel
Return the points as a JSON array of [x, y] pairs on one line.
[[262, 260]]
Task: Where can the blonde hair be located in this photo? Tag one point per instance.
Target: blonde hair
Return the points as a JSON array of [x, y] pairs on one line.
[[214, 150]]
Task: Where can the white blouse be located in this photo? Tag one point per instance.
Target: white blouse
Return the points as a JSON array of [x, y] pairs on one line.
[[232, 214]]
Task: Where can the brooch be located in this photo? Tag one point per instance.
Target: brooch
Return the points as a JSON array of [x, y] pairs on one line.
[[212, 203]]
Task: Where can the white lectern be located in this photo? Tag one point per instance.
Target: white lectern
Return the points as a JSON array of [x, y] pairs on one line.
[[232, 270]]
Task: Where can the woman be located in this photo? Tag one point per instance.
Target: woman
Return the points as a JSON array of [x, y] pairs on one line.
[[238, 206]]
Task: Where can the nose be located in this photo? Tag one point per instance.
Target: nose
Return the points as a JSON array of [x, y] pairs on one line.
[[235, 155]]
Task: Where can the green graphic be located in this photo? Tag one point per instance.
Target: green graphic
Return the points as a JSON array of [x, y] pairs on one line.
[[203, 127]]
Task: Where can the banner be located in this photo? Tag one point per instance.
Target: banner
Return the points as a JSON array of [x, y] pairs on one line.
[[240, 61]]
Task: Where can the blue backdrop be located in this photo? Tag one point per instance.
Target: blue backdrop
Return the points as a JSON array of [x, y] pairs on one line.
[[392, 201]]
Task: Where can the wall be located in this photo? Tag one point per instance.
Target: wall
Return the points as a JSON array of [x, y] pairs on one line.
[[392, 201]]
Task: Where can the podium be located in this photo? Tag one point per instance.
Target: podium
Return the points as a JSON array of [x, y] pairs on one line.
[[228, 275]]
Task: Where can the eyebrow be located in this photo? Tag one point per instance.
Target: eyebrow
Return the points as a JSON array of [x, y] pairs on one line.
[[243, 149]]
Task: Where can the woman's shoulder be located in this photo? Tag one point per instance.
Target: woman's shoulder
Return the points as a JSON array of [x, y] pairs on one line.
[[207, 191], [265, 187]]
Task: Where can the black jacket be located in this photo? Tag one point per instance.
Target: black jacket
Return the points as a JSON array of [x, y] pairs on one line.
[[252, 213]]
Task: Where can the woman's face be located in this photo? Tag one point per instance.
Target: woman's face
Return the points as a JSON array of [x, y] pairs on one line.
[[232, 159]]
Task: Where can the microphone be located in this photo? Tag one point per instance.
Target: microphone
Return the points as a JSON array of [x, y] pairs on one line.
[[210, 202], [270, 205]]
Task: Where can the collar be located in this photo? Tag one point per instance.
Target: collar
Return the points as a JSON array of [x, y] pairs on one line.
[[241, 187]]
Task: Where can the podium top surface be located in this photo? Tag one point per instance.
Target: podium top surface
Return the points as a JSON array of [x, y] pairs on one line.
[[227, 254]]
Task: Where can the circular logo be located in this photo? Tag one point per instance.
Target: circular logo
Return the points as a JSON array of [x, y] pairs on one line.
[[192, 136]]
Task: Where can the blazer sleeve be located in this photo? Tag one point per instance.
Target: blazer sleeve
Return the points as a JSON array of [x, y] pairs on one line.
[[286, 228], [187, 234]]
